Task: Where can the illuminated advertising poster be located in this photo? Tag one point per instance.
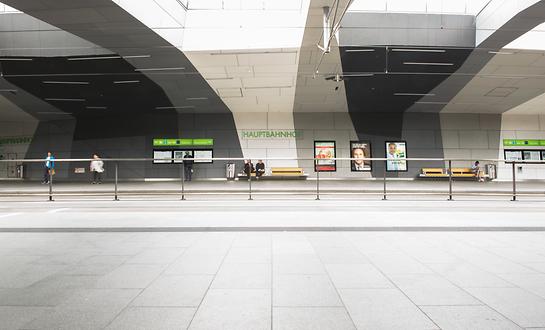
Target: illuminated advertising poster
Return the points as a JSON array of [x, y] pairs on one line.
[[325, 151], [396, 152], [361, 151]]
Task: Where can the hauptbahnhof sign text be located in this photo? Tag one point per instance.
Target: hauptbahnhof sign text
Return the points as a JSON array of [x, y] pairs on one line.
[[271, 134]]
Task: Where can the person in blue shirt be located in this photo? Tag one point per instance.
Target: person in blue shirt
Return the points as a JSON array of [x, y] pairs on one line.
[[49, 167]]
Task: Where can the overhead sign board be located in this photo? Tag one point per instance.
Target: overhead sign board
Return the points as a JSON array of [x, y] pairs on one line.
[[182, 142], [523, 143]]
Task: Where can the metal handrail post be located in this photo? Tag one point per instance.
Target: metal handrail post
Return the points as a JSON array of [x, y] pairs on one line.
[[116, 198], [450, 180], [514, 183], [384, 181], [50, 185], [317, 180], [250, 181], [183, 180]]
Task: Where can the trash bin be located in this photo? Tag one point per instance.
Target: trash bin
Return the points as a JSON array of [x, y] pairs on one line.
[[230, 171], [20, 171], [491, 171]]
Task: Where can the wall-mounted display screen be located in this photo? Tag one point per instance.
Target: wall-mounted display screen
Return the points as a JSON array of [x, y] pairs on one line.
[[396, 151], [203, 154], [531, 155], [162, 156], [361, 150], [325, 151], [179, 155], [513, 154]]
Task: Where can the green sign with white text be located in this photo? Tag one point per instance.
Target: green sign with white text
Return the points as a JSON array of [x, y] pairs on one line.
[[183, 142], [15, 140], [523, 143]]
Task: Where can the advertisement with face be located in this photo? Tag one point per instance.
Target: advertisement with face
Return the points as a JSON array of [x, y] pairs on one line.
[[361, 151], [324, 151], [396, 151]]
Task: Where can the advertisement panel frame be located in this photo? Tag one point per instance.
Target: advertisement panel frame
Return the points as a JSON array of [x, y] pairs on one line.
[[368, 155], [325, 167], [388, 162]]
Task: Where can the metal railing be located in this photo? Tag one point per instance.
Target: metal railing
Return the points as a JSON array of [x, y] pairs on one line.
[[319, 191]]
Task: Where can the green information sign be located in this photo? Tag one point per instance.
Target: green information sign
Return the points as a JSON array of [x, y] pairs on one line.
[[523, 143], [15, 140], [182, 142]]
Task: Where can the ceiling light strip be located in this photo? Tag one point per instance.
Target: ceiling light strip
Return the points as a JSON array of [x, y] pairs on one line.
[[359, 50], [160, 69], [54, 113], [428, 63], [418, 50], [66, 82], [96, 107], [15, 59], [114, 57], [500, 53], [64, 100], [196, 98], [414, 94], [126, 81], [8, 91], [176, 107]]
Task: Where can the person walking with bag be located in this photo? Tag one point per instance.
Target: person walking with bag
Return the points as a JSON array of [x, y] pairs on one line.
[[49, 168], [97, 167]]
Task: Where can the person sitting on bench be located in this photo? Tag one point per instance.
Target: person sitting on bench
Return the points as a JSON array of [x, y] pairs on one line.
[[476, 169], [248, 168], [259, 168]]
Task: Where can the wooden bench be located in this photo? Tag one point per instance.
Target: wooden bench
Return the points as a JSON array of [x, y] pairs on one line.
[[433, 173], [287, 171], [457, 172], [463, 173], [279, 173]]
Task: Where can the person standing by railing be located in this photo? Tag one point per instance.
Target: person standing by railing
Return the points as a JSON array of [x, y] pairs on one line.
[[97, 168], [49, 167], [188, 166]]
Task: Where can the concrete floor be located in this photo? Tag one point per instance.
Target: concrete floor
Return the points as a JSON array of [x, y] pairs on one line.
[[272, 280], [272, 264]]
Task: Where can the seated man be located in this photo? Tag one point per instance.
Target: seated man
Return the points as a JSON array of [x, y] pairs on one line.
[[476, 169], [248, 168], [259, 168]]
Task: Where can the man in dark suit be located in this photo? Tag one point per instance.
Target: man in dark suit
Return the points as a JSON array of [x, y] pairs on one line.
[[188, 165]]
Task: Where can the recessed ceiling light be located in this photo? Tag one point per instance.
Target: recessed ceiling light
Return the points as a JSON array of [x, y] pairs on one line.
[[64, 100], [15, 59], [176, 107], [500, 53], [96, 107], [91, 58], [196, 98], [66, 82], [126, 81], [8, 91], [422, 102], [359, 50], [160, 69], [54, 113], [418, 50], [428, 63], [414, 94]]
